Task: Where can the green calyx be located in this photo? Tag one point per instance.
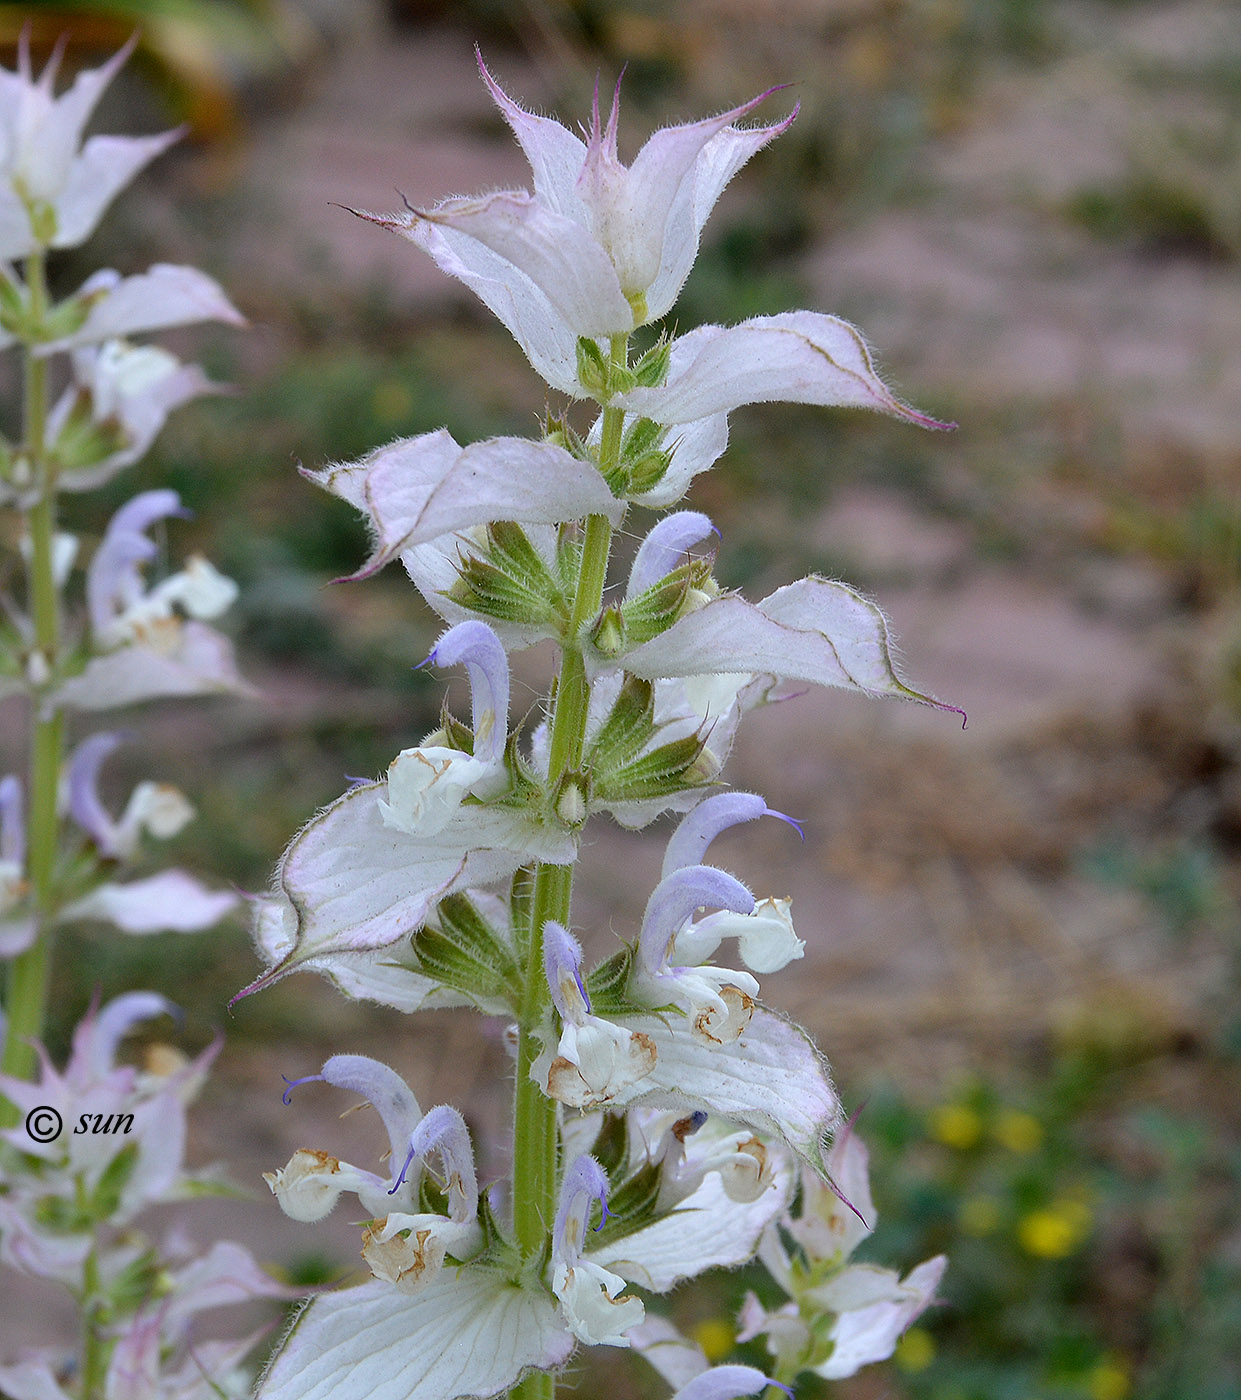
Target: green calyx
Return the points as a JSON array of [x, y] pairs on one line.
[[460, 949], [508, 579]]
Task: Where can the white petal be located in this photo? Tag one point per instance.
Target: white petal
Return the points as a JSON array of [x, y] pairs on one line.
[[772, 1078], [167, 295], [105, 165], [594, 1063], [798, 357], [549, 343], [31, 1380], [695, 447], [655, 228], [718, 161], [870, 1333], [556, 253], [171, 901], [192, 659], [555, 154], [471, 1334], [827, 1228], [813, 630], [707, 1230], [676, 1358], [593, 1304], [421, 488]]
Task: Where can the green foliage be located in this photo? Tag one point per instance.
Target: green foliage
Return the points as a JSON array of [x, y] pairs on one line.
[[1084, 1230]]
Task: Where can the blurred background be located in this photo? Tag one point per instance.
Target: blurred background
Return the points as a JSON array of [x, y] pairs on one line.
[[1024, 951]]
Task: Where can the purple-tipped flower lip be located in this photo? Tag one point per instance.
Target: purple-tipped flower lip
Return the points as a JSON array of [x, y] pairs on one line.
[[675, 899], [560, 954], [584, 1177]]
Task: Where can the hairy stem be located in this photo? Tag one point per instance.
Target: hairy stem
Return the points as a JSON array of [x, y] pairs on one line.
[[535, 1138], [28, 975]]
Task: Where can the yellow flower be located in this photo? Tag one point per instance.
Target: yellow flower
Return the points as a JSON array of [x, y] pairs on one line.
[[916, 1350], [1019, 1132], [1055, 1231], [715, 1335], [1109, 1380], [956, 1125]]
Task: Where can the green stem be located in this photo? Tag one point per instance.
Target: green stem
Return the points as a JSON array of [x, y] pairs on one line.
[[94, 1346], [28, 975], [535, 1128]]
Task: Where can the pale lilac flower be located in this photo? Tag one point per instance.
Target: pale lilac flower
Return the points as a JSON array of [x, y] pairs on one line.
[[154, 1357], [311, 1183], [53, 188], [726, 1383], [873, 1306], [427, 784], [147, 1110], [408, 1249], [717, 1001], [371, 868], [155, 640], [595, 1059], [17, 930], [665, 547], [126, 392], [588, 1292], [153, 809]]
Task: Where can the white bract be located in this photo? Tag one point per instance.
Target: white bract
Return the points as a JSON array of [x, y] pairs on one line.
[[872, 1306], [53, 188]]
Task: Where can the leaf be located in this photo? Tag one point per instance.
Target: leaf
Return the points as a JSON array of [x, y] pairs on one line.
[[355, 884], [797, 357], [472, 1333], [417, 489], [813, 630]]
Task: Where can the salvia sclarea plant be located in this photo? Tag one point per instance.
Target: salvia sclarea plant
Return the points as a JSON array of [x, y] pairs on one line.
[[665, 1120], [86, 1149]]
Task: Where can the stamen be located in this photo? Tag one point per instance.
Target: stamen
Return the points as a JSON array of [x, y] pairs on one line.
[[293, 1083], [400, 1181], [792, 821]]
